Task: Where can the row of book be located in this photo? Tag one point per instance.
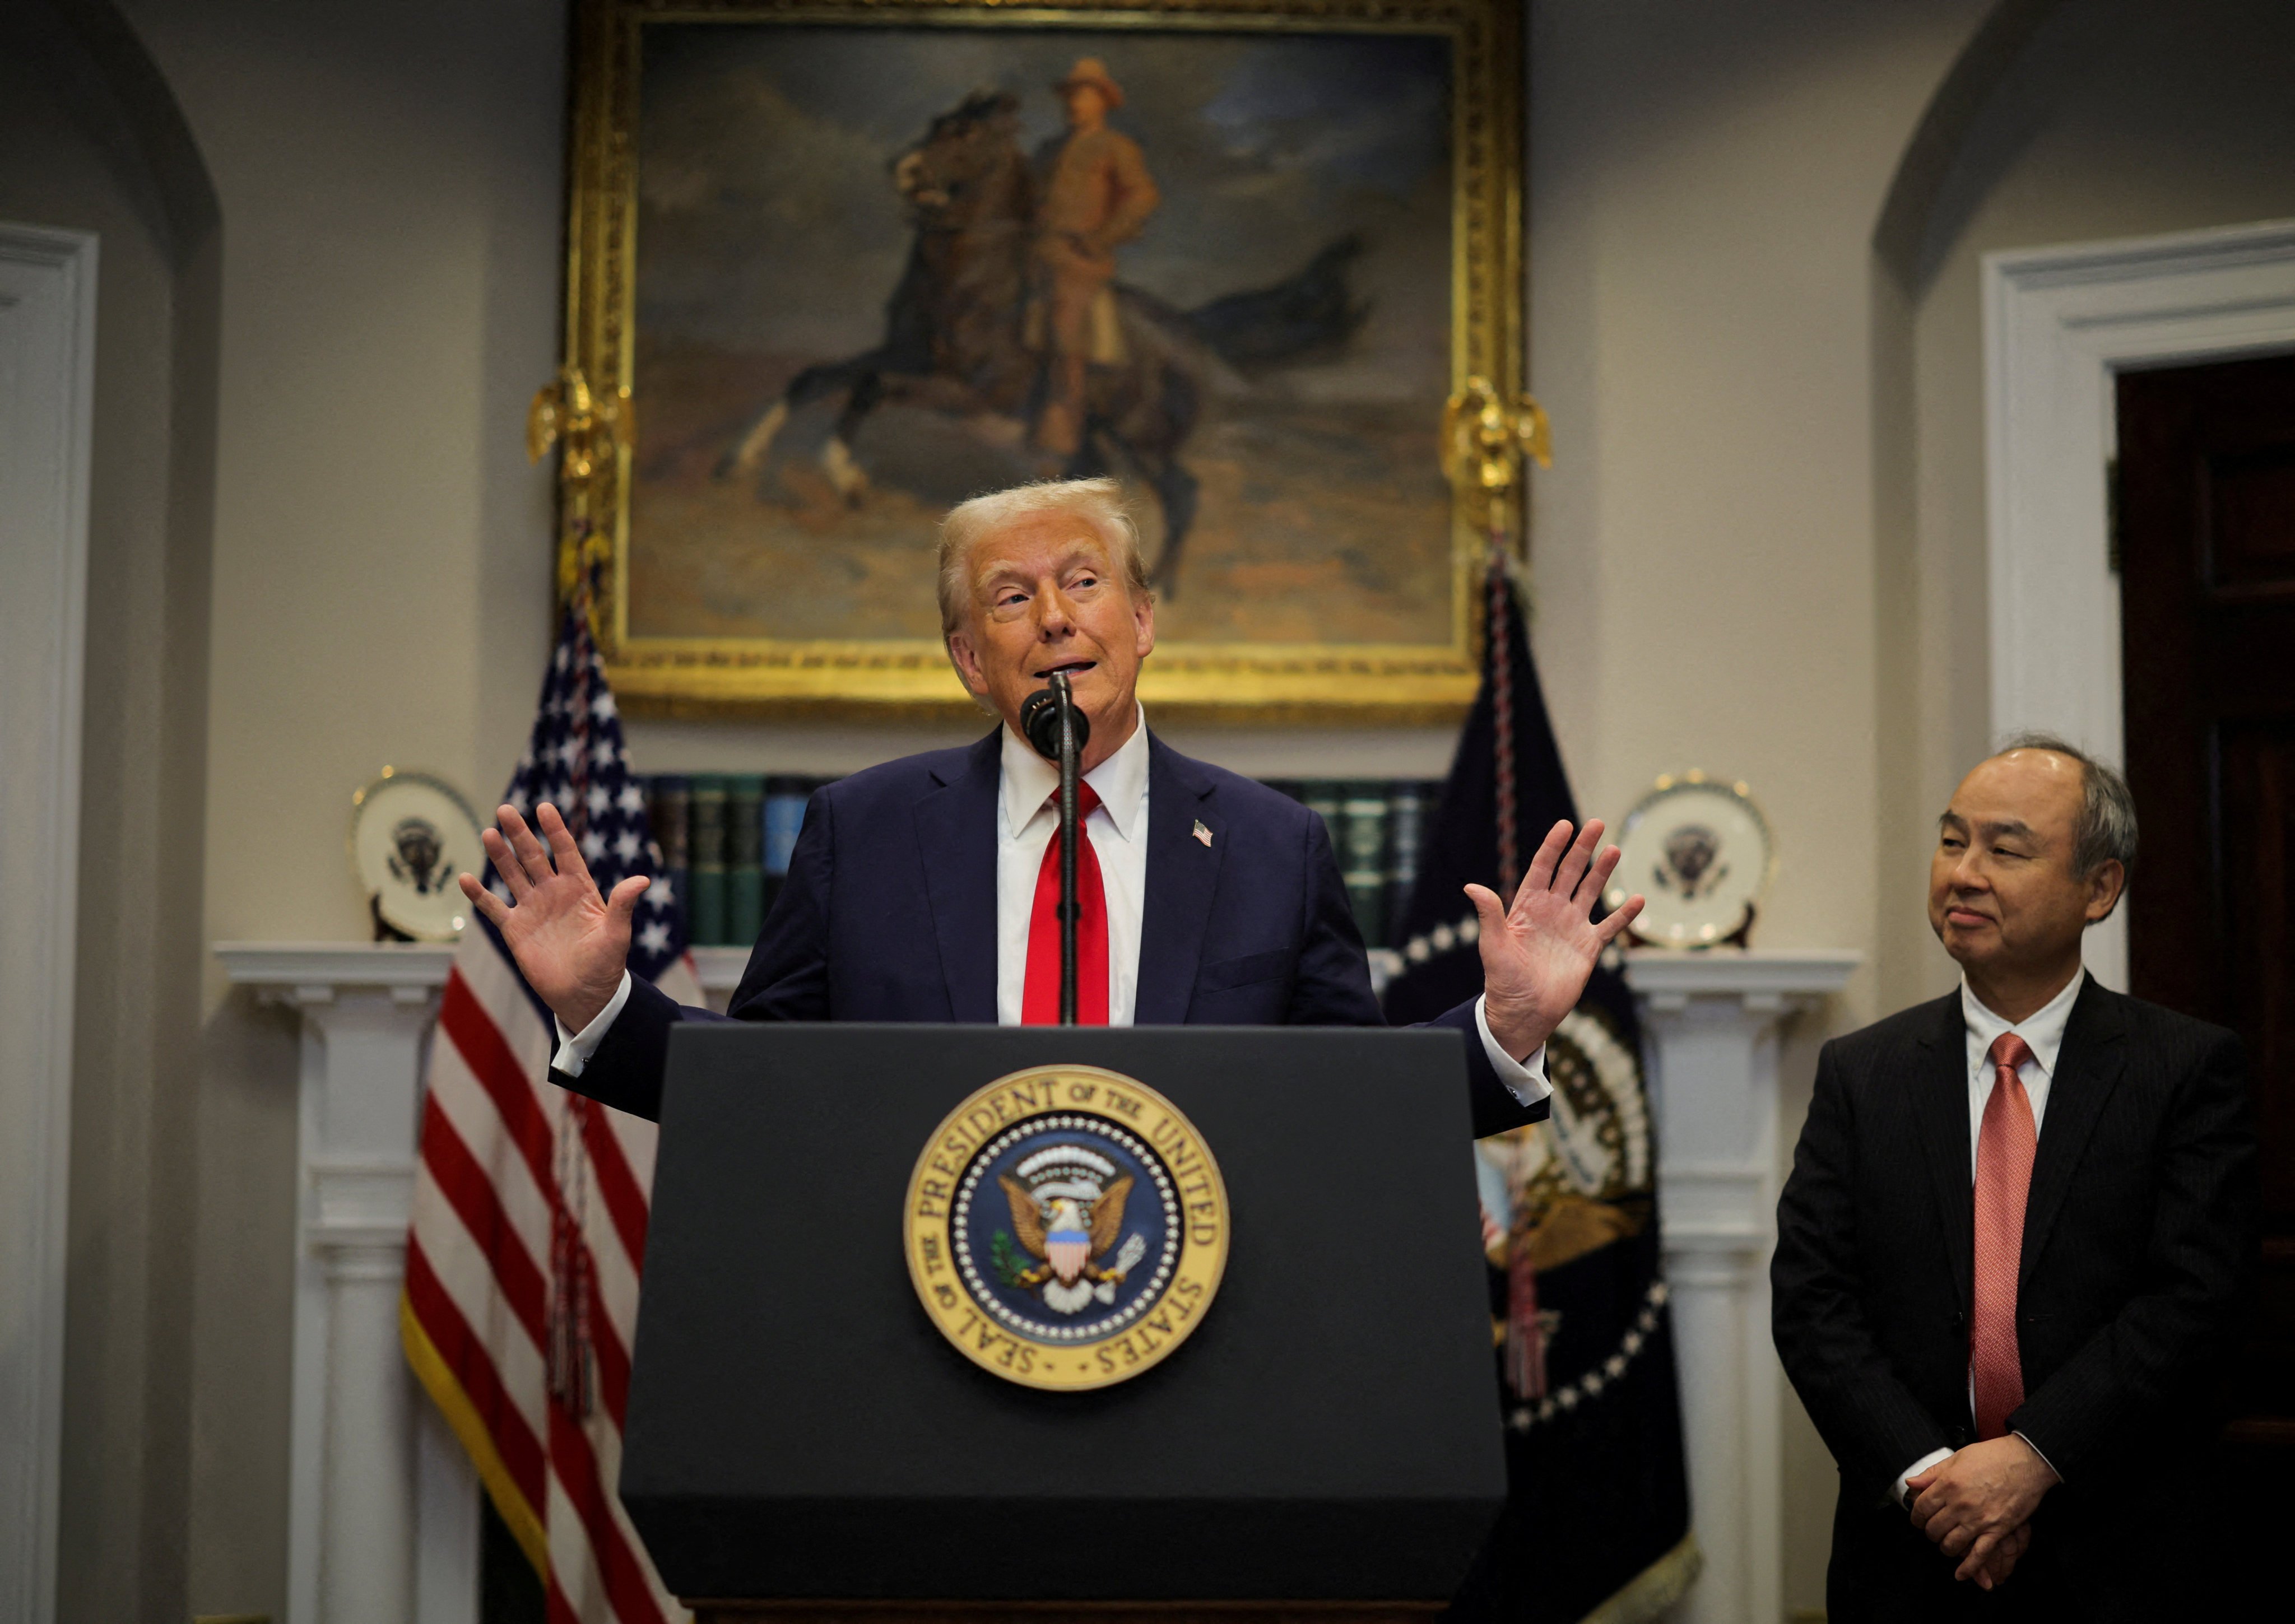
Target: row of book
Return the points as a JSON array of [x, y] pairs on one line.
[[726, 840], [1376, 827]]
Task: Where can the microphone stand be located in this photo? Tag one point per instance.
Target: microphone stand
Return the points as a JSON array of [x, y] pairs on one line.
[[1050, 722], [1066, 700]]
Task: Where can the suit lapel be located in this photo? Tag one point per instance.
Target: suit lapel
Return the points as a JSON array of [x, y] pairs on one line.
[[2087, 1069], [955, 837], [1940, 1106], [1183, 878]]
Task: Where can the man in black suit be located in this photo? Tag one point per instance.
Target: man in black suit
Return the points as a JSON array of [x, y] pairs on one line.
[[2016, 1225]]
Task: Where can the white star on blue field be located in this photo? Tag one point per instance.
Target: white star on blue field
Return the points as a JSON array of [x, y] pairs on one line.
[[577, 761]]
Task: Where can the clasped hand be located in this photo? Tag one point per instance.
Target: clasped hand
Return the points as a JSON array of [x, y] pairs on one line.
[[1978, 1506]]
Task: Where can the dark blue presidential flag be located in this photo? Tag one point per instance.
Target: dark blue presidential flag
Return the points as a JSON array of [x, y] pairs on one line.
[[1596, 1524]]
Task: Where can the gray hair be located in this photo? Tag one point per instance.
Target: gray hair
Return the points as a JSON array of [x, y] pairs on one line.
[[1098, 502], [2106, 830]]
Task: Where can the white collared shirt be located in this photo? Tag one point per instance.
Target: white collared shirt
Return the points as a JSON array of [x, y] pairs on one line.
[[1028, 815], [1025, 818], [2043, 1031]]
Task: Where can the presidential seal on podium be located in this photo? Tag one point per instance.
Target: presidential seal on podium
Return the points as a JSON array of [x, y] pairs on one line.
[[1066, 1228]]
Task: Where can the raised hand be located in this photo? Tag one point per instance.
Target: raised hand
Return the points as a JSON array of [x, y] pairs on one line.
[[571, 944], [1537, 955]]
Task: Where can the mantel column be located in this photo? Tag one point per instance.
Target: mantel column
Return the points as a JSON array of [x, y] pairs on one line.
[[1714, 1019], [361, 1462]]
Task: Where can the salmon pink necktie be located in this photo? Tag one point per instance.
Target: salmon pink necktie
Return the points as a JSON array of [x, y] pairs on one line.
[[1039, 992], [2004, 1177]]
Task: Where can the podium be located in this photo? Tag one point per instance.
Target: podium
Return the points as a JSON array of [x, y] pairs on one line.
[[803, 1442]]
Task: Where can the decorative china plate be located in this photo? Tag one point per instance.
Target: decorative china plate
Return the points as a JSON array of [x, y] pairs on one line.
[[411, 835], [1700, 852]]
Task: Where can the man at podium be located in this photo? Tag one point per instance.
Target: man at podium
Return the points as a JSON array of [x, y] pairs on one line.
[[925, 889]]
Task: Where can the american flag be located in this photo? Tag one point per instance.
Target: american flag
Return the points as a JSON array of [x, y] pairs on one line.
[[530, 1203]]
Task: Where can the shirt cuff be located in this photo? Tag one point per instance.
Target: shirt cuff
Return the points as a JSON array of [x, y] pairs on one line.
[[2045, 1461], [1525, 1080], [576, 1048], [1897, 1494]]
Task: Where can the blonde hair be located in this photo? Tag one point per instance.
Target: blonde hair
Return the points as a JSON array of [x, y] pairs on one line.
[[1098, 500]]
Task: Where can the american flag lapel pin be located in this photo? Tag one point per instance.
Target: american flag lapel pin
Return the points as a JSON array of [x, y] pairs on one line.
[[1203, 834]]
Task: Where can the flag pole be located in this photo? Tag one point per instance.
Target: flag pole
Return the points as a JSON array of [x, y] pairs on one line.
[[1487, 440]]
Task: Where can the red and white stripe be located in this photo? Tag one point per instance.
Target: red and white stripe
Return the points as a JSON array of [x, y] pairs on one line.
[[476, 1312]]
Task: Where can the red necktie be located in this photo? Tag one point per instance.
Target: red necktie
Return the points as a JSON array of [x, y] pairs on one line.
[[2003, 1176], [1040, 994]]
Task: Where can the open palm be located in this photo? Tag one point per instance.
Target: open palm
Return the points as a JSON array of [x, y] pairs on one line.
[[1538, 954], [571, 944]]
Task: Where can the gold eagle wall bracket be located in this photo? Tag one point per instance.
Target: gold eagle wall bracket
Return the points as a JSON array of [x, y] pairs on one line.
[[1488, 441], [592, 431]]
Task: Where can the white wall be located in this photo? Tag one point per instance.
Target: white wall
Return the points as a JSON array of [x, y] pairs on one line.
[[2121, 119], [391, 184]]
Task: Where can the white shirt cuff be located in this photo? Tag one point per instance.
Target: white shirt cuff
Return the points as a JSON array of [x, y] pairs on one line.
[[576, 1048], [1915, 1470], [1525, 1080]]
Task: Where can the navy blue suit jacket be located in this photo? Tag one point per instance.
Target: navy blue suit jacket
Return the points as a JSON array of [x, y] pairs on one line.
[[889, 914]]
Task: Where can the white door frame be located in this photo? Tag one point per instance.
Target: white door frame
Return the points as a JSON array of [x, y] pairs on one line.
[[47, 378], [2058, 324]]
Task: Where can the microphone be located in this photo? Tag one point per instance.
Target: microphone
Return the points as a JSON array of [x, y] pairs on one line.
[[1040, 720], [1058, 728]]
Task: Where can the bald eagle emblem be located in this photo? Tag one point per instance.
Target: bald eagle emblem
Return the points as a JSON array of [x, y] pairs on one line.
[[1067, 1210]]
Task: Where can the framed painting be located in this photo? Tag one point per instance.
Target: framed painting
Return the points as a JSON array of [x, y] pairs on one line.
[[844, 263]]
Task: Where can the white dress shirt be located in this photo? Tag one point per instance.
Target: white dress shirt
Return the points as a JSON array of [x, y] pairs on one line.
[[1027, 812], [2043, 1031], [1027, 816]]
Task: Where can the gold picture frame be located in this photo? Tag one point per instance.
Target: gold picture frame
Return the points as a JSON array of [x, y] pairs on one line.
[[601, 399]]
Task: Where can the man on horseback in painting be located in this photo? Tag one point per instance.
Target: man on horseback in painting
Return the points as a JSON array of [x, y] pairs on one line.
[[1007, 316], [1094, 194]]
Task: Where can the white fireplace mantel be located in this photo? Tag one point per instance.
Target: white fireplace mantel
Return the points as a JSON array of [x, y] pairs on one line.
[[382, 1524], [1713, 1020]]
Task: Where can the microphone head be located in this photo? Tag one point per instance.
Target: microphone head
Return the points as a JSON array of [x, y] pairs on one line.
[[1039, 723], [1039, 718]]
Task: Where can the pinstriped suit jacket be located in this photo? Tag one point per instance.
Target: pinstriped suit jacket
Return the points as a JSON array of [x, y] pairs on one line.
[[2138, 1230]]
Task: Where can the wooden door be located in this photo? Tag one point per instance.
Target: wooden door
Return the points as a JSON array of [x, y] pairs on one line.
[[2206, 532]]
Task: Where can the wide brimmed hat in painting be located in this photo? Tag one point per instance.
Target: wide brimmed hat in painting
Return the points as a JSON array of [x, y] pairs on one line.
[[1090, 70]]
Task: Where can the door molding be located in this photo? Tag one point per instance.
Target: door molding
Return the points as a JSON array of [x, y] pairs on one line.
[[48, 381], [2058, 324]]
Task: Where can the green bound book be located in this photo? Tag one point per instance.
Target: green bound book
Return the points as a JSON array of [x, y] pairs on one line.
[[705, 845], [1363, 859], [745, 873], [1323, 798], [669, 801], [1406, 819]]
